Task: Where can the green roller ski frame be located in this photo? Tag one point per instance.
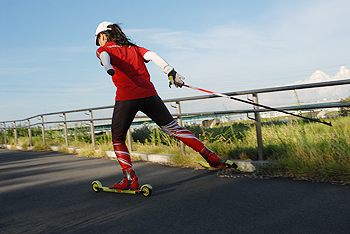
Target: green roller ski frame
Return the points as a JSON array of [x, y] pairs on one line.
[[145, 190]]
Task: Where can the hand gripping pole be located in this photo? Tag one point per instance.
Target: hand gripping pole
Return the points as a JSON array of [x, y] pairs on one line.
[[256, 104]]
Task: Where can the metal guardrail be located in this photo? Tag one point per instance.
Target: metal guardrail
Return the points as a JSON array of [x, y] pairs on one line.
[[29, 121]]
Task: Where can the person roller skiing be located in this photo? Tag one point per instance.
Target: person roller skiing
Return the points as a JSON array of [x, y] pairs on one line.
[[125, 62]]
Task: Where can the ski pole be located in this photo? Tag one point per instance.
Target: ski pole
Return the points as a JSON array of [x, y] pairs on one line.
[[256, 104]]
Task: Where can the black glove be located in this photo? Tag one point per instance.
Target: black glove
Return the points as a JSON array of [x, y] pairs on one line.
[[174, 77]]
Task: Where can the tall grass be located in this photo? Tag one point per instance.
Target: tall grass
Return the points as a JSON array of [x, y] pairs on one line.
[[310, 150], [296, 149]]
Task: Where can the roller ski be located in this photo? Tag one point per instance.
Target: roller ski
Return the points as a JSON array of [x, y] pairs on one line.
[[145, 190], [129, 184], [214, 161], [229, 164]]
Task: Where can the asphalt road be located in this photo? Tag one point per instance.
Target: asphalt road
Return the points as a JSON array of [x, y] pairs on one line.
[[49, 192]]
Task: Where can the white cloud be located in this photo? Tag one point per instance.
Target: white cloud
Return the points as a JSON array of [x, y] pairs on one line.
[[314, 94], [19, 70], [291, 37], [332, 92]]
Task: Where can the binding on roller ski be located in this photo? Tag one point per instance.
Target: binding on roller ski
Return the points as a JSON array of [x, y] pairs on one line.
[[227, 164], [145, 190]]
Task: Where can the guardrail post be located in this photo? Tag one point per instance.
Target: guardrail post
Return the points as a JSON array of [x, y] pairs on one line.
[[65, 129], [129, 137], [5, 140], [43, 130], [258, 129], [179, 121], [92, 129], [15, 132], [30, 133]]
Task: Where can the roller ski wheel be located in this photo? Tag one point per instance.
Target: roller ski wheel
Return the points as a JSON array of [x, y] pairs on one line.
[[229, 164], [96, 186], [145, 190]]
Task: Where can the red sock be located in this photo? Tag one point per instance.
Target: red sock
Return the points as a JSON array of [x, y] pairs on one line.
[[123, 155]]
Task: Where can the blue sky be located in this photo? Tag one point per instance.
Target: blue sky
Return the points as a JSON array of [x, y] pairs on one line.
[[48, 62]]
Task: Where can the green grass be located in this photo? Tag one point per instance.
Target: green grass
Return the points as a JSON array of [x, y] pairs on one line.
[[304, 150], [310, 151]]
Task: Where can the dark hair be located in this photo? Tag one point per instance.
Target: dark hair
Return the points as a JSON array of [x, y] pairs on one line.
[[117, 35]]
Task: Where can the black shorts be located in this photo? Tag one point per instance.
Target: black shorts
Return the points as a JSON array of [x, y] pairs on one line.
[[125, 111]]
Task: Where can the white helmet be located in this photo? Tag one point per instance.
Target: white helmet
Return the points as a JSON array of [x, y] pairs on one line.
[[100, 28]]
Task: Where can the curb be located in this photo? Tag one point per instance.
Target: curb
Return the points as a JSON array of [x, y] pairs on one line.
[[150, 157], [243, 165], [248, 166]]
